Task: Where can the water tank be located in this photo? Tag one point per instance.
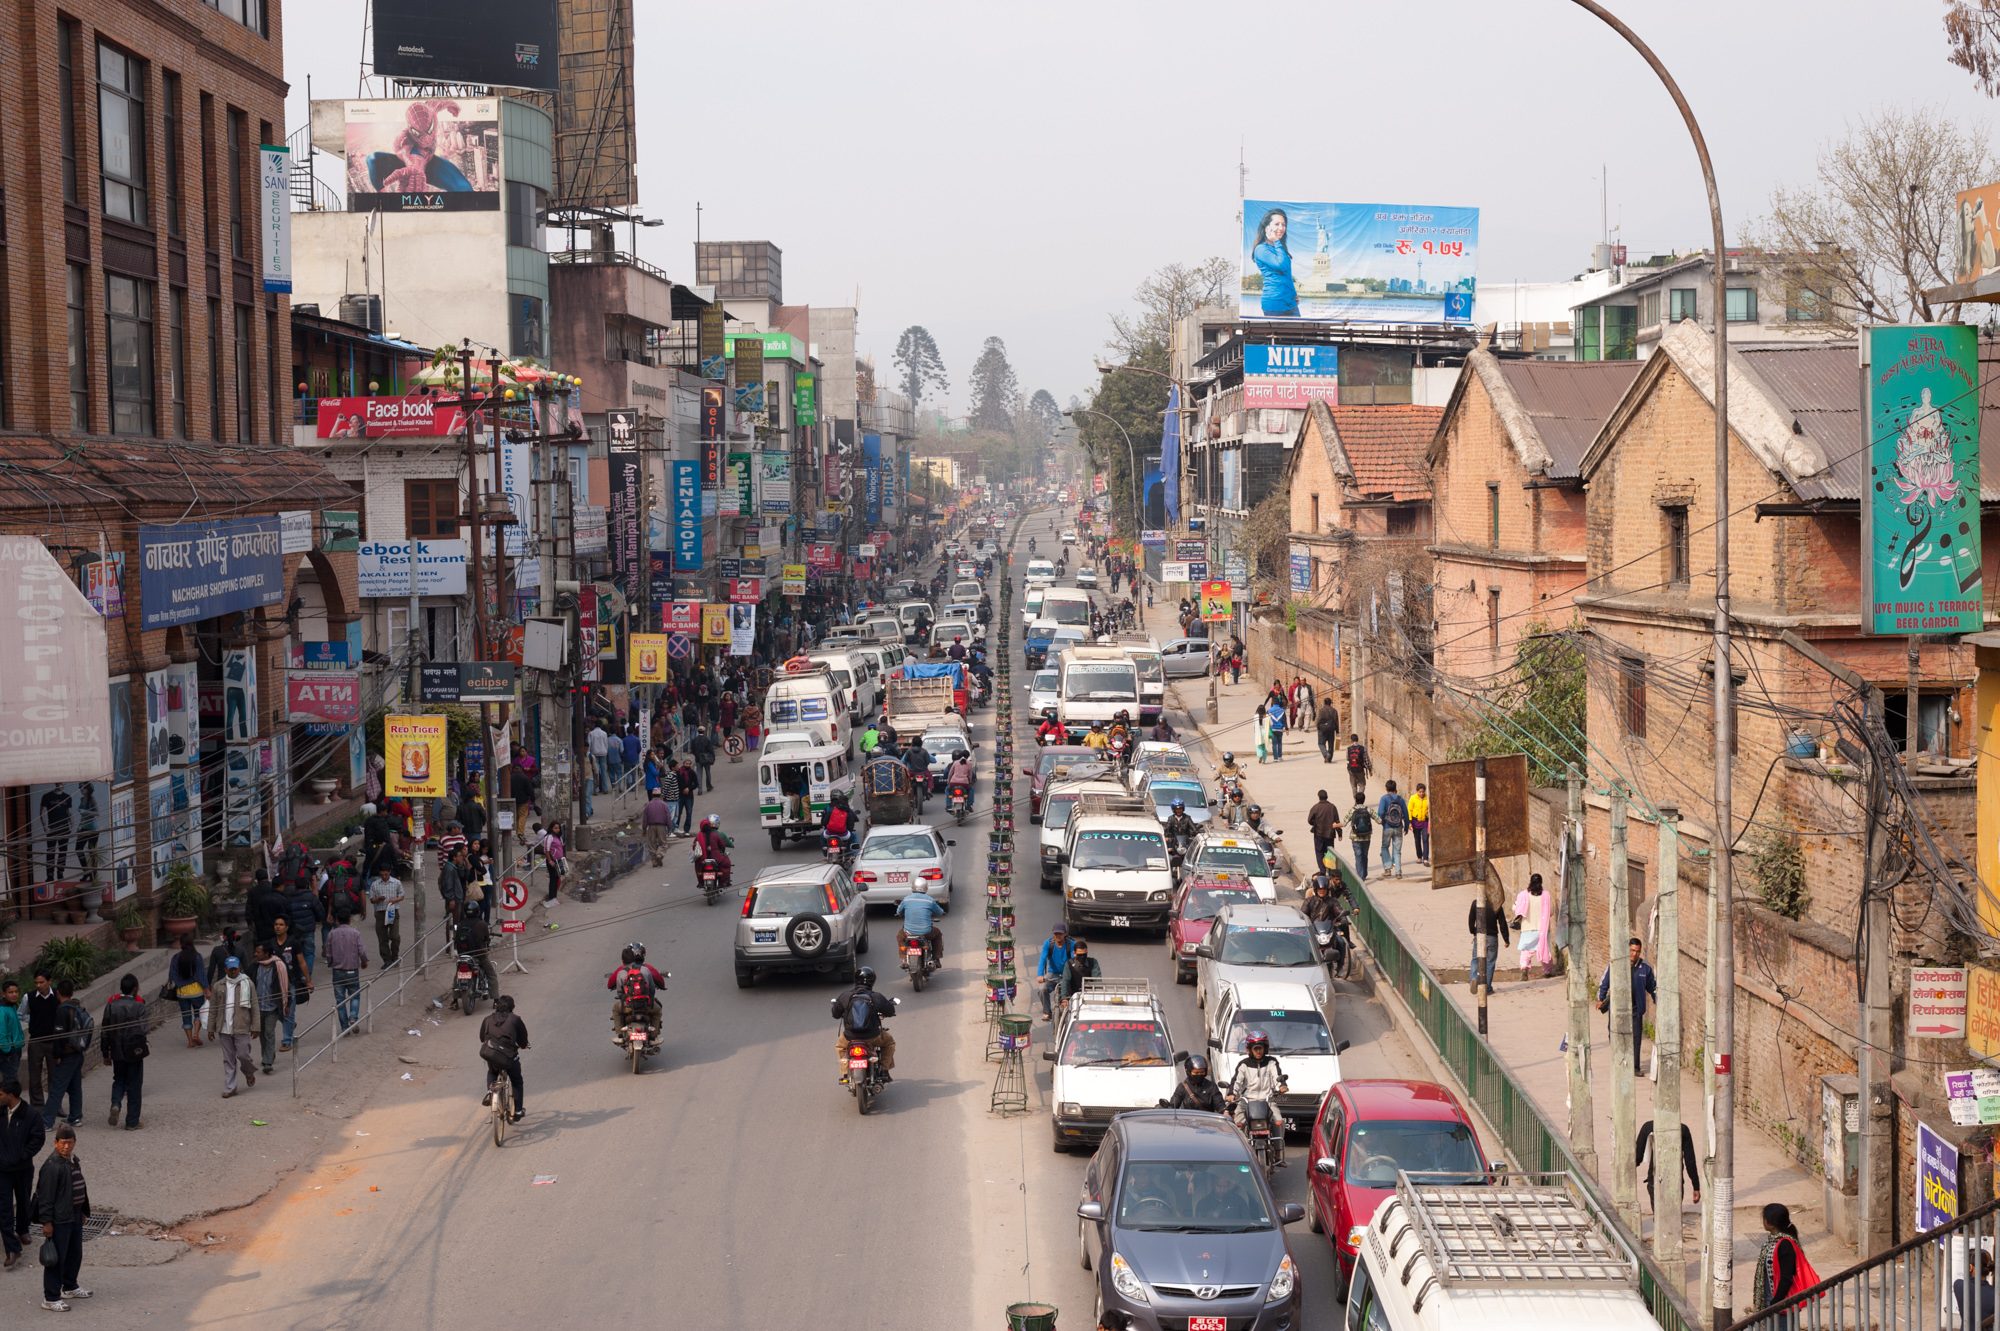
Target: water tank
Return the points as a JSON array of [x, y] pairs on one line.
[[363, 310]]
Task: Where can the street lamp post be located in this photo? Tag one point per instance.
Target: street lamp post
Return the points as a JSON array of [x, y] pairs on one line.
[[1131, 457]]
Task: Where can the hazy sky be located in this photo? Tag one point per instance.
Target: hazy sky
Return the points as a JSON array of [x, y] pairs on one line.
[[1016, 168]]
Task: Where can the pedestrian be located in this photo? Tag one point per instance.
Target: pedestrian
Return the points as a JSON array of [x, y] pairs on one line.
[[598, 745], [122, 1044], [62, 1204], [13, 1038], [232, 1020], [1323, 819], [304, 913], [668, 783], [286, 953], [1531, 926], [472, 817], [702, 746], [1641, 1155], [1420, 822], [1360, 831], [274, 1004], [1393, 812], [685, 777], [1326, 726], [20, 1142], [1261, 727], [656, 820], [385, 899], [1487, 925], [1275, 722], [340, 893], [70, 1042], [1359, 766], [555, 857], [1644, 985], [218, 957], [1782, 1268], [44, 1009], [451, 885], [346, 958], [630, 746], [264, 904], [1235, 665], [1049, 966]]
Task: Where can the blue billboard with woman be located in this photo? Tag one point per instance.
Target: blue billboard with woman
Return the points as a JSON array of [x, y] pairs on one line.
[[1358, 262]]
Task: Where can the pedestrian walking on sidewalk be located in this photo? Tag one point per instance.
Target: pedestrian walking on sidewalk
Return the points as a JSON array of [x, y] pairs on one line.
[[1360, 831], [285, 951], [20, 1142], [1394, 815], [1323, 819], [62, 1204], [186, 982], [1531, 926], [69, 1044], [598, 745], [556, 856], [13, 1038], [1642, 1155], [43, 1008], [346, 958], [1782, 1268], [385, 899], [1276, 723], [1327, 727], [232, 1020], [1261, 725], [686, 778], [1235, 664], [1359, 766], [1488, 927], [1644, 986], [702, 746], [274, 1005], [122, 1043], [657, 822], [1420, 822]]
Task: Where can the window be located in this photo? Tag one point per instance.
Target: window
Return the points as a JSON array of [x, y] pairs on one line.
[[170, 109], [1804, 305], [128, 326], [208, 215], [1681, 304], [526, 325], [121, 134], [177, 360], [1740, 305], [215, 370], [1493, 620], [524, 223], [238, 237], [1676, 516], [1315, 514], [1632, 690], [1649, 309], [66, 39], [1736, 679], [245, 396], [1402, 521], [1588, 347], [1493, 515], [430, 509], [79, 349], [1621, 332], [250, 13]]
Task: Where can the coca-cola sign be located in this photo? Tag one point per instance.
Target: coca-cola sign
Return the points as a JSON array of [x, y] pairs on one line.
[[379, 417]]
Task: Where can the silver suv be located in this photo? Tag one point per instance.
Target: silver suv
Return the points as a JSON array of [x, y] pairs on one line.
[[805, 917]]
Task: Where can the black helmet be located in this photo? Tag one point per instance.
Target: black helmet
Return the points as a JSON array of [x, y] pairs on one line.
[[1257, 808], [865, 977], [631, 956], [1197, 1066], [638, 951]]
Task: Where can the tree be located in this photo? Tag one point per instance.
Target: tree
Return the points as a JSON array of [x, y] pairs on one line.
[[1043, 417], [1135, 403], [995, 392], [864, 381], [1542, 712], [1168, 295], [917, 360], [1879, 225], [1972, 34]]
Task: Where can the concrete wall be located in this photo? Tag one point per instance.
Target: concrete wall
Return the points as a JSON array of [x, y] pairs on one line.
[[442, 276]]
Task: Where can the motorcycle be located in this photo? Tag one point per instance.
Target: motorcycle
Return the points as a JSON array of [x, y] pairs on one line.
[[708, 870], [468, 984], [839, 852], [1335, 943], [864, 1076], [1265, 1130], [1232, 798], [920, 790], [918, 961], [958, 802], [635, 1037]]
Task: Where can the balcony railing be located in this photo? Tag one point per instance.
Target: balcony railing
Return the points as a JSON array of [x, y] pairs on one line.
[[1921, 1285]]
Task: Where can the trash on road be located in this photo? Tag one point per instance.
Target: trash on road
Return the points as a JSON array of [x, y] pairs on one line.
[[408, 1077], [259, 1123], [543, 1180]]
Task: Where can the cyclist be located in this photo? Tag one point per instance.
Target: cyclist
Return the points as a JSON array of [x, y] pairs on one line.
[[502, 1038]]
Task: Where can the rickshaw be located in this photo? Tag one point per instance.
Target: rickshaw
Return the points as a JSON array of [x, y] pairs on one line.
[[888, 789]]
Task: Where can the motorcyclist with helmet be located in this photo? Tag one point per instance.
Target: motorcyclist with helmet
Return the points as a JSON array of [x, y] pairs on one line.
[[1198, 1090], [960, 774], [1259, 1076], [1097, 738], [1050, 731], [1253, 818], [956, 651], [1180, 828], [919, 912], [838, 826], [918, 759], [1229, 770], [861, 1012], [471, 938], [711, 842], [636, 982]]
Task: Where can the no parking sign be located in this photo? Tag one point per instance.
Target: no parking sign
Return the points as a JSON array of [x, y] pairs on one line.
[[513, 893]]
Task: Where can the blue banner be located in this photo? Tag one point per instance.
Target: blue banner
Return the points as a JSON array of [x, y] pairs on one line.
[[1170, 457], [1291, 361], [871, 458], [199, 570], [687, 516]]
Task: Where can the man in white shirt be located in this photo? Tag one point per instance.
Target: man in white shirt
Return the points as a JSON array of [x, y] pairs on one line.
[[385, 902], [600, 746], [232, 1023]]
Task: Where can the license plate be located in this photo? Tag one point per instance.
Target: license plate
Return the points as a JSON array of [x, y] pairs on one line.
[[1121, 921], [638, 1037], [899, 875], [1208, 1324], [764, 935], [857, 1063]]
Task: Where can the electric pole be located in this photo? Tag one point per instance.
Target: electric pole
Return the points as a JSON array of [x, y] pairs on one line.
[[1624, 1035], [1576, 980], [1667, 1172]]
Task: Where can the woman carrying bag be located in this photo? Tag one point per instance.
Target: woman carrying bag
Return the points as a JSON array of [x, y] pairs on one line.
[[186, 986], [1782, 1268]]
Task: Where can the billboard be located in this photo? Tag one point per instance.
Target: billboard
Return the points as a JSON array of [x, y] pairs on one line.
[[1358, 262], [199, 570], [381, 417], [1978, 219], [274, 214], [383, 570], [413, 748], [595, 146], [1217, 601], [1920, 571], [649, 659], [687, 515], [423, 155], [1288, 376], [511, 43], [55, 694]]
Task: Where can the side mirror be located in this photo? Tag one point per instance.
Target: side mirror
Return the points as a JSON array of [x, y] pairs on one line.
[[1048, 1056], [1343, 1046], [1205, 949], [1326, 1165], [1091, 1211], [1290, 1213], [949, 842], [1062, 857]]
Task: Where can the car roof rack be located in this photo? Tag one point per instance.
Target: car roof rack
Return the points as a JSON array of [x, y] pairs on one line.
[[1517, 1229], [1097, 989], [1093, 801]]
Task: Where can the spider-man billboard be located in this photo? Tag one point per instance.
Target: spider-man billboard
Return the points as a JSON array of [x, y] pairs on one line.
[[431, 154]]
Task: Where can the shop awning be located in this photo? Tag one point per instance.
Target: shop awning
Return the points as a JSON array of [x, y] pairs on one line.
[[154, 478]]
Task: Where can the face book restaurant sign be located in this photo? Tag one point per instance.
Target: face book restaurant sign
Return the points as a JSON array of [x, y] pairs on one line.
[[55, 698]]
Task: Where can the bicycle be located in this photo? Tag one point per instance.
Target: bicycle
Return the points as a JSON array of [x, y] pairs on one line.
[[503, 1107]]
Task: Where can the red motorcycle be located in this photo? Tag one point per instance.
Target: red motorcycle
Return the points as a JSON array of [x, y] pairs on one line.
[[708, 872]]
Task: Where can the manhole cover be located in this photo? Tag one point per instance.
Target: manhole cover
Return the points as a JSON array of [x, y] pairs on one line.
[[98, 1225]]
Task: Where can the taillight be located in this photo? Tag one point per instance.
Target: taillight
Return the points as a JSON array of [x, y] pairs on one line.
[[832, 906], [932, 875], [747, 899], [857, 1051], [864, 876]]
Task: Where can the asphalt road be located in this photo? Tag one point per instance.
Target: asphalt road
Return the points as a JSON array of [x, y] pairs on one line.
[[732, 1184]]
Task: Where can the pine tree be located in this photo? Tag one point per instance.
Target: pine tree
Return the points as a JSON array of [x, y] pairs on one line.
[[918, 362], [995, 392]]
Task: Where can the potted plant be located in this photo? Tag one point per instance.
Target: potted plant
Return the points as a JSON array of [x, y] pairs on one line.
[[183, 902], [71, 957], [131, 922]]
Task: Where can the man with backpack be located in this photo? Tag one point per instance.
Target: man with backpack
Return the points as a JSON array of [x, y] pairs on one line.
[[1360, 831], [1394, 815], [637, 986], [1359, 766], [340, 896], [304, 915], [122, 1043], [1327, 726], [861, 1012], [473, 938], [74, 1028]]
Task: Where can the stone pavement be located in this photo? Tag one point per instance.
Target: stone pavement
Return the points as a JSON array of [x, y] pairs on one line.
[[1527, 1019]]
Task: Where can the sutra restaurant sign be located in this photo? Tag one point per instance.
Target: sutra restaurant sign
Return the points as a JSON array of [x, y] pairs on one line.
[[380, 417]]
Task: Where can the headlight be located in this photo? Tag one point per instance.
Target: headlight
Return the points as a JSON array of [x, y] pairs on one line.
[[1354, 1237], [1319, 992], [1079, 894], [1126, 1281], [1071, 1109], [1158, 896], [1189, 947], [1050, 852], [1283, 1283]]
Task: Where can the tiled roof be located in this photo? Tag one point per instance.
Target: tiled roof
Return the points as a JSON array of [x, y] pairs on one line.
[[1385, 446], [147, 478], [1568, 403]]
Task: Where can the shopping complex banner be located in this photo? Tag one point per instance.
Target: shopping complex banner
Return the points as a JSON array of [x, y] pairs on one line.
[[199, 570]]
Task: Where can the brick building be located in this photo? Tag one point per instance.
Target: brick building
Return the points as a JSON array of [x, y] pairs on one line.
[[144, 410]]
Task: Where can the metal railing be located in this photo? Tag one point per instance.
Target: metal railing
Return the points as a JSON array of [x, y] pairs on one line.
[[411, 963], [1534, 1143], [1919, 1285]]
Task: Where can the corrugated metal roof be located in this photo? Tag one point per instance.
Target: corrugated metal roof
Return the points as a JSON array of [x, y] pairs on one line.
[[1385, 446], [144, 476], [1568, 401]]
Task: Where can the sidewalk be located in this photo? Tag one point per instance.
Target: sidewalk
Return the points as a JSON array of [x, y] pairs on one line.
[[1527, 1020]]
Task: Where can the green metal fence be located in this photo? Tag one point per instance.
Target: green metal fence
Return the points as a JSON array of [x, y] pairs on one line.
[[1532, 1142]]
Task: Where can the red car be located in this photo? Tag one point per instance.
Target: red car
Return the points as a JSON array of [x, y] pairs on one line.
[[1365, 1132], [1196, 902], [1040, 771]]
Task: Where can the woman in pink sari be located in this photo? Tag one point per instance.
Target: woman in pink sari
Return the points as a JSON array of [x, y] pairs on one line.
[[1531, 926]]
